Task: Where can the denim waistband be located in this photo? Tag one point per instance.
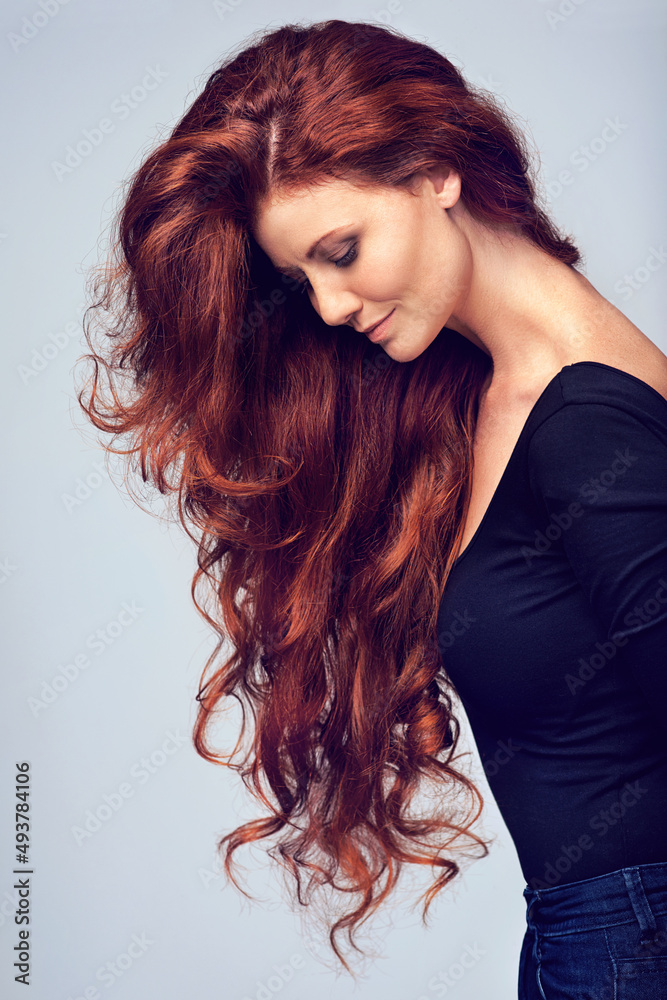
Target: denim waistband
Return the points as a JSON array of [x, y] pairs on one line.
[[638, 892]]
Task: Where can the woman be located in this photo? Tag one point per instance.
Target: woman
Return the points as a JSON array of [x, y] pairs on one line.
[[423, 457]]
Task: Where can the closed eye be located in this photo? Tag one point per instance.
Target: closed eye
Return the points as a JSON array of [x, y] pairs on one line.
[[343, 261]]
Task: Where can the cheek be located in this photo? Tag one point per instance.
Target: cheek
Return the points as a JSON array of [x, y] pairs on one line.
[[380, 283], [388, 271], [445, 276]]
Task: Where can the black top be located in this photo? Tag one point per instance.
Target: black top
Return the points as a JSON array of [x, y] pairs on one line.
[[553, 629]]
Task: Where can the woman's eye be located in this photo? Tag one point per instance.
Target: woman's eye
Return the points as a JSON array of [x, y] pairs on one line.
[[340, 262], [347, 258]]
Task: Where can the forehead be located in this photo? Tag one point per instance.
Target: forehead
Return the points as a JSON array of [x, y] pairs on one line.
[[280, 210], [287, 222]]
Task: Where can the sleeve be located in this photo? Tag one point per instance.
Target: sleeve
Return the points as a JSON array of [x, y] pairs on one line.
[[604, 470]]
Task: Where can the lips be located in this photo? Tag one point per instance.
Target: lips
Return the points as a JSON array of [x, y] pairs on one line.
[[379, 331]]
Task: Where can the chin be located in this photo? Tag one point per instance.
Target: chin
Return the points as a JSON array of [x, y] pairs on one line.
[[408, 348], [402, 352]]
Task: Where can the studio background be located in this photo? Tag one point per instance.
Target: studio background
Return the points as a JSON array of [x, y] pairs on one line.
[[103, 648]]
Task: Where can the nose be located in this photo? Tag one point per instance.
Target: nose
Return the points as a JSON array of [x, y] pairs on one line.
[[335, 306]]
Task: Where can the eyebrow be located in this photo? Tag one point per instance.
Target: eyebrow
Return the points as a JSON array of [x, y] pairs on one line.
[[310, 253]]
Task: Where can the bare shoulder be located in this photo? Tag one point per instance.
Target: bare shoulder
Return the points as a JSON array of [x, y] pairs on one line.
[[643, 359], [607, 336], [618, 342], [654, 373]]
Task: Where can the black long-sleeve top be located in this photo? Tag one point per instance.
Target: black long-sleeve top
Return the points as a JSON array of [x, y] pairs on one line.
[[553, 629]]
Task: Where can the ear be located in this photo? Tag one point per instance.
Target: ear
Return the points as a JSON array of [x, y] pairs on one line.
[[446, 183]]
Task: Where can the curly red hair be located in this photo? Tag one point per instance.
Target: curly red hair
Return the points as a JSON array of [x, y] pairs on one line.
[[324, 483]]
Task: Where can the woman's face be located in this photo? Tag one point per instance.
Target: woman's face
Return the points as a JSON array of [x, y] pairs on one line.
[[393, 252]]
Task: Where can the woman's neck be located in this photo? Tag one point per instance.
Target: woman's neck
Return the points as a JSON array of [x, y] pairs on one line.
[[530, 312]]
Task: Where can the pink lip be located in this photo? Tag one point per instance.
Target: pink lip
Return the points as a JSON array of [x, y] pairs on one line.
[[380, 331]]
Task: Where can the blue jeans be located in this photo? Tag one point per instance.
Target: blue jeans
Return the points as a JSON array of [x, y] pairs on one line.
[[602, 938]]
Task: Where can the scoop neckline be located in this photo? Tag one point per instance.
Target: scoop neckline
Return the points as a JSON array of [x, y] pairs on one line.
[[575, 364]]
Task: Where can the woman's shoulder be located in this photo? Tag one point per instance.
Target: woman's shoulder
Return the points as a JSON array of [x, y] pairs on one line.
[[613, 351], [643, 378], [594, 423], [643, 367], [619, 369], [592, 407]]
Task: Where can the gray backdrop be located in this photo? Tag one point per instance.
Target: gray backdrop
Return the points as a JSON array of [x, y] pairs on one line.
[[103, 647]]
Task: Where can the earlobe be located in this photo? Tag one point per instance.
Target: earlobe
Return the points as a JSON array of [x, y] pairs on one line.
[[446, 183], [451, 187]]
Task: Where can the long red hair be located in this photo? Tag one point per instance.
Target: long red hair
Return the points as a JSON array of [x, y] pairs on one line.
[[324, 483]]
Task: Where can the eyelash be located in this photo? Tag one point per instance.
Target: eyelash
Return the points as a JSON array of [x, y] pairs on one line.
[[343, 261]]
